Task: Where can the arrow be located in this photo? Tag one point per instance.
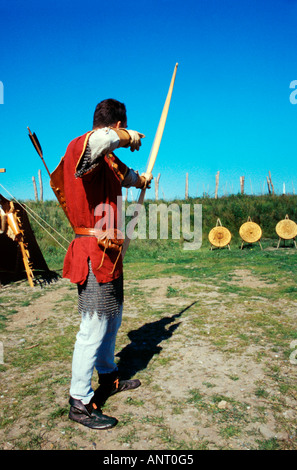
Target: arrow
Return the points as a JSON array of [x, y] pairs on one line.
[[36, 143]]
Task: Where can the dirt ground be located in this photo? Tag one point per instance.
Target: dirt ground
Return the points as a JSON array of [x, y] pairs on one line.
[[208, 380]]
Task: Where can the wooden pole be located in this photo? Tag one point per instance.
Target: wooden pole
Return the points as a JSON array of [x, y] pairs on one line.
[[268, 184], [226, 188], [241, 184], [217, 184], [187, 186], [270, 180], [157, 186], [40, 185], [35, 188]]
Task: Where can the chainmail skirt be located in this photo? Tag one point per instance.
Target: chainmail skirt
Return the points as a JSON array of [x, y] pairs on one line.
[[100, 298]]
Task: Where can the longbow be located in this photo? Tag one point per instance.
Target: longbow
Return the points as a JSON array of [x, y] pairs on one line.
[[155, 148]]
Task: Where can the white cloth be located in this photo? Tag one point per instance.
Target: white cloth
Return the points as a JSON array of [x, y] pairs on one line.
[[103, 141]]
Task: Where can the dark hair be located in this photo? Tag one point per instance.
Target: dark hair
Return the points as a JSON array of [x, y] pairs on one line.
[[109, 112]]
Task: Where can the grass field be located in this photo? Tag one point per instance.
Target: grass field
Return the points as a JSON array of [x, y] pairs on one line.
[[210, 333]]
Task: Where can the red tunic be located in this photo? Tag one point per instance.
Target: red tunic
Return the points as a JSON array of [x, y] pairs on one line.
[[83, 195]]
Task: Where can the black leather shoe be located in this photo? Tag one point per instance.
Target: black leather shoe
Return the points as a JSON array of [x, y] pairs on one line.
[[89, 415], [123, 385], [109, 384]]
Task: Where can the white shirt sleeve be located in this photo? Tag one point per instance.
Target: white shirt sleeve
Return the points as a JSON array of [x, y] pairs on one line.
[[103, 141]]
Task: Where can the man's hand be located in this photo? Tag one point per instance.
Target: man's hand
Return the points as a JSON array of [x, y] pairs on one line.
[[144, 181], [135, 139], [148, 178]]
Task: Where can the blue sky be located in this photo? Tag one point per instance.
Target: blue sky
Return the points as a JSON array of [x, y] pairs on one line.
[[230, 109]]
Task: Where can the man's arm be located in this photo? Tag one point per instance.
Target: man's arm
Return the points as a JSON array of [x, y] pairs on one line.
[[104, 141]]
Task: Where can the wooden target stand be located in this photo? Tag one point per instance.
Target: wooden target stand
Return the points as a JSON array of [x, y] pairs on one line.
[[250, 232], [219, 236], [286, 230]]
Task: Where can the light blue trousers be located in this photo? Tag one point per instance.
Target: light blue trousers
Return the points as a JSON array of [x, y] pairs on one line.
[[94, 348]]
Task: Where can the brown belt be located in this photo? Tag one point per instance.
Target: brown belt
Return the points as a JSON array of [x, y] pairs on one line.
[[104, 241], [87, 232]]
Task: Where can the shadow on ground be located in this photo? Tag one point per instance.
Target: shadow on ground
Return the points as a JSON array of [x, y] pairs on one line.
[[145, 343]]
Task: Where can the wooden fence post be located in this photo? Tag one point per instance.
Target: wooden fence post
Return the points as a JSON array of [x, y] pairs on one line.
[[241, 184], [35, 188], [217, 184], [157, 187], [187, 186], [268, 184], [270, 180], [40, 185]]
